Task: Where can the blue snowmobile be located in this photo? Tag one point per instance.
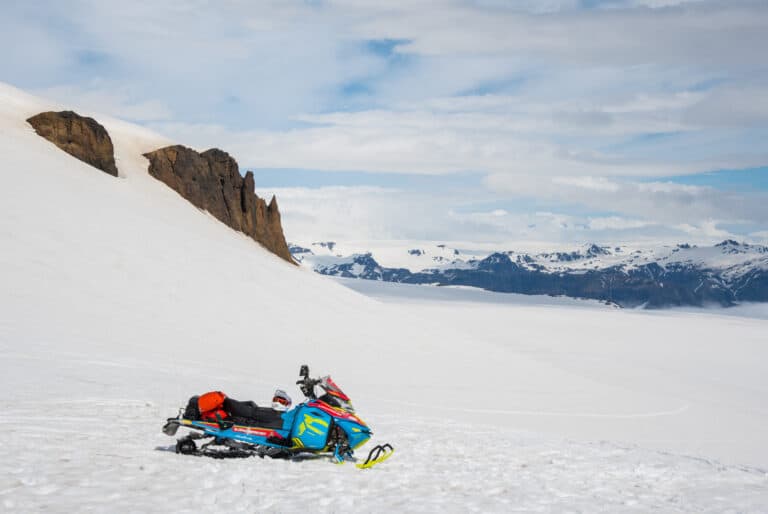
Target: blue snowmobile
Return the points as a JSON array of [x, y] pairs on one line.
[[320, 426]]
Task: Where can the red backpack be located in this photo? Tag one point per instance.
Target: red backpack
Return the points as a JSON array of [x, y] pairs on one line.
[[212, 404]]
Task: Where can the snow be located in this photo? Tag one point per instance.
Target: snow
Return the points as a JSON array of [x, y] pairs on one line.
[[120, 300], [411, 293]]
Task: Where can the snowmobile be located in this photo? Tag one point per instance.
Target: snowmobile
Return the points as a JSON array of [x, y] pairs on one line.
[[324, 426]]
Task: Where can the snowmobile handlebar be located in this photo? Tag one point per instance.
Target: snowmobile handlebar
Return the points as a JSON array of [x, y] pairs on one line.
[[306, 384]]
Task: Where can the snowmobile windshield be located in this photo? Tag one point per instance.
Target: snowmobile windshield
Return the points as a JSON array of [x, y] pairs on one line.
[[334, 390], [335, 393]]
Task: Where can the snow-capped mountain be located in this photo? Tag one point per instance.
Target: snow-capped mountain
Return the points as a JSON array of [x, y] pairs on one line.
[[724, 274]]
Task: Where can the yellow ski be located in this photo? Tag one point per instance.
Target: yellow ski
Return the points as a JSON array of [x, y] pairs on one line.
[[377, 455]]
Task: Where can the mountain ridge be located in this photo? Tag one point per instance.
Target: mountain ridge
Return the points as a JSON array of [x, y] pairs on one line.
[[681, 275]]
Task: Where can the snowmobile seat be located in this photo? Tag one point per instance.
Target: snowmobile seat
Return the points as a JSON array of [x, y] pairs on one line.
[[193, 410], [248, 413]]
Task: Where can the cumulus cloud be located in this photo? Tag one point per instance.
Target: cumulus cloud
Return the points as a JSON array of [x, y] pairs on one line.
[[284, 57], [616, 223], [681, 33], [731, 106], [372, 213], [119, 102], [659, 202], [359, 213], [503, 136]]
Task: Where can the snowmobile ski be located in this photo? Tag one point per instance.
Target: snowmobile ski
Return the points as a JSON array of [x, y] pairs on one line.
[[377, 455]]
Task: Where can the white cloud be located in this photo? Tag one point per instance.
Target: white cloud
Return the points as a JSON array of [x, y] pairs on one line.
[[276, 54], [615, 223], [690, 33], [732, 106], [588, 79], [366, 213], [117, 103], [552, 227], [356, 213], [707, 229], [593, 183], [760, 237], [663, 203], [485, 134]]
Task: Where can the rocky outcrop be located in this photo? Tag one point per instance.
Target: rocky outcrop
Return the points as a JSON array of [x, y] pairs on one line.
[[211, 180], [81, 137]]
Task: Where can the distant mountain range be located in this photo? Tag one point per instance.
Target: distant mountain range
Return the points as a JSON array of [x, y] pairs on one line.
[[726, 273]]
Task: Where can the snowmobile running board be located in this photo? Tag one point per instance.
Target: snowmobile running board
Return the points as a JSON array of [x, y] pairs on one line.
[[377, 455]]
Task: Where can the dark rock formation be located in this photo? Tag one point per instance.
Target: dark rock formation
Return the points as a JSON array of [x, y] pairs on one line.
[[80, 137], [211, 180]]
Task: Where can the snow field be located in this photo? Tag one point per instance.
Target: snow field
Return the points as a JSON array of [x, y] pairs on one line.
[[87, 462]]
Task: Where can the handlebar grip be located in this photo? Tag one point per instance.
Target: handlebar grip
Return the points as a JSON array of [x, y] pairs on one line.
[[309, 382]]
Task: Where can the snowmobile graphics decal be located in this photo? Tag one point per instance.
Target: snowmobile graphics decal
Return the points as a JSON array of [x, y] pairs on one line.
[[263, 432], [335, 411], [255, 431], [313, 429], [309, 423]]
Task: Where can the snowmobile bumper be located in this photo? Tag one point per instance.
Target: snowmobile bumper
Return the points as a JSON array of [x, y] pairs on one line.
[[171, 426]]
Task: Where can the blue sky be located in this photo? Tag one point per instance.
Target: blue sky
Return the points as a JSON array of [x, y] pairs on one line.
[[561, 121], [747, 180]]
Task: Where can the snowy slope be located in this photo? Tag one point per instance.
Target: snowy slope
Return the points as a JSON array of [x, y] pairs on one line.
[[120, 300]]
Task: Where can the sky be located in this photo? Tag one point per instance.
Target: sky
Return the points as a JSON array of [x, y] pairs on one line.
[[557, 121]]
